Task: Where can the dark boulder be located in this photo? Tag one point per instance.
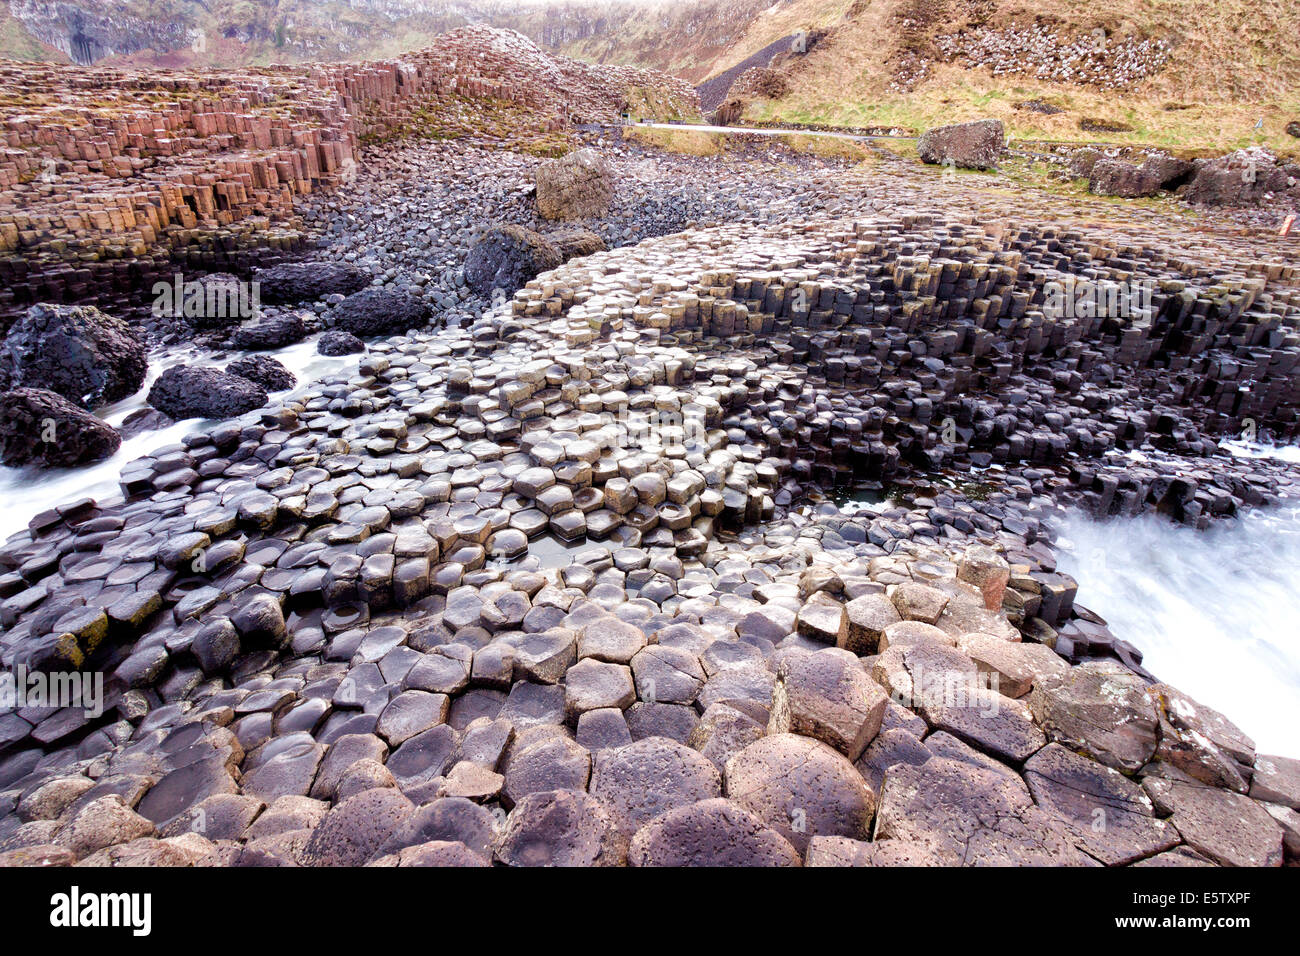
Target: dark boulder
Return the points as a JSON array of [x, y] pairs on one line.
[[1293, 128], [1114, 177], [143, 420], [216, 301], [1082, 161], [580, 242], [977, 145], [88, 357], [1247, 177], [293, 282], [381, 312], [189, 391], [273, 329], [507, 256], [338, 342], [264, 370], [40, 427], [1170, 171]]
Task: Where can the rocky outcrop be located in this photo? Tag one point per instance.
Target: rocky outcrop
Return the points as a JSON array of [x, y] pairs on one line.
[[187, 391], [272, 329], [1248, 177], [507, 256], [577, 186], [40, 427], [974, 145], [339, 342], [294, 282], [380, 312], [263, 370], [88, 357]]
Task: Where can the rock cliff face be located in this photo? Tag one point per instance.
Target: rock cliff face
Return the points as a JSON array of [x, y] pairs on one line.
[[88, 32], [684, 34]]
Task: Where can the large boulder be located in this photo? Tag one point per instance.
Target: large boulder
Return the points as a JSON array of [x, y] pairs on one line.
[[1170, 171], [336, 342], [1114, 177], [1082, 160], [218, 300], [976, 145], [272, 329], [191, 391], [1247, 177], [381, 312], [577, 242], [88, 357], [264, 370], [507, 256], [577, 186], [38, 427], [306, 281]]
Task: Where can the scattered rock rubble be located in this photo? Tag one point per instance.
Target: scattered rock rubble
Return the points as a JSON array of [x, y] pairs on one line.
[[1042, 51]]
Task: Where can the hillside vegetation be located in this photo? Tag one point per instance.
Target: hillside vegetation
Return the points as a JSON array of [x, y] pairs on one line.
[[1178, 73], [1183, 74]]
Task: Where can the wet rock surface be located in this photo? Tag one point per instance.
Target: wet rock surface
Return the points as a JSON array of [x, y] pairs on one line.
[[196, 392], [40, 427], [564, 583], [83, 354]]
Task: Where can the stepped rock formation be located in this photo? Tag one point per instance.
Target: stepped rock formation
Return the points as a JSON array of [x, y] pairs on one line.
[[567, 580], [111, 179], [652, 700]]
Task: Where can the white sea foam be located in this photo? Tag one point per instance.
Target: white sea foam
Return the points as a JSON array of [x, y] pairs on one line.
[[1216, 613], [26, 492]]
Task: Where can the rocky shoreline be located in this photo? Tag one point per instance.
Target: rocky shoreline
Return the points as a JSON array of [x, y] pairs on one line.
[[565, 581]]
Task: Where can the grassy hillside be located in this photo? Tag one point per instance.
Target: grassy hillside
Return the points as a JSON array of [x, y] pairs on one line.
[[1227, 65], [17, 44], [1184, 74]]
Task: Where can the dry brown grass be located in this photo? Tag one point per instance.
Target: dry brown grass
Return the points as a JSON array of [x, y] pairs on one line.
[[687, 141], [1233, 64]]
